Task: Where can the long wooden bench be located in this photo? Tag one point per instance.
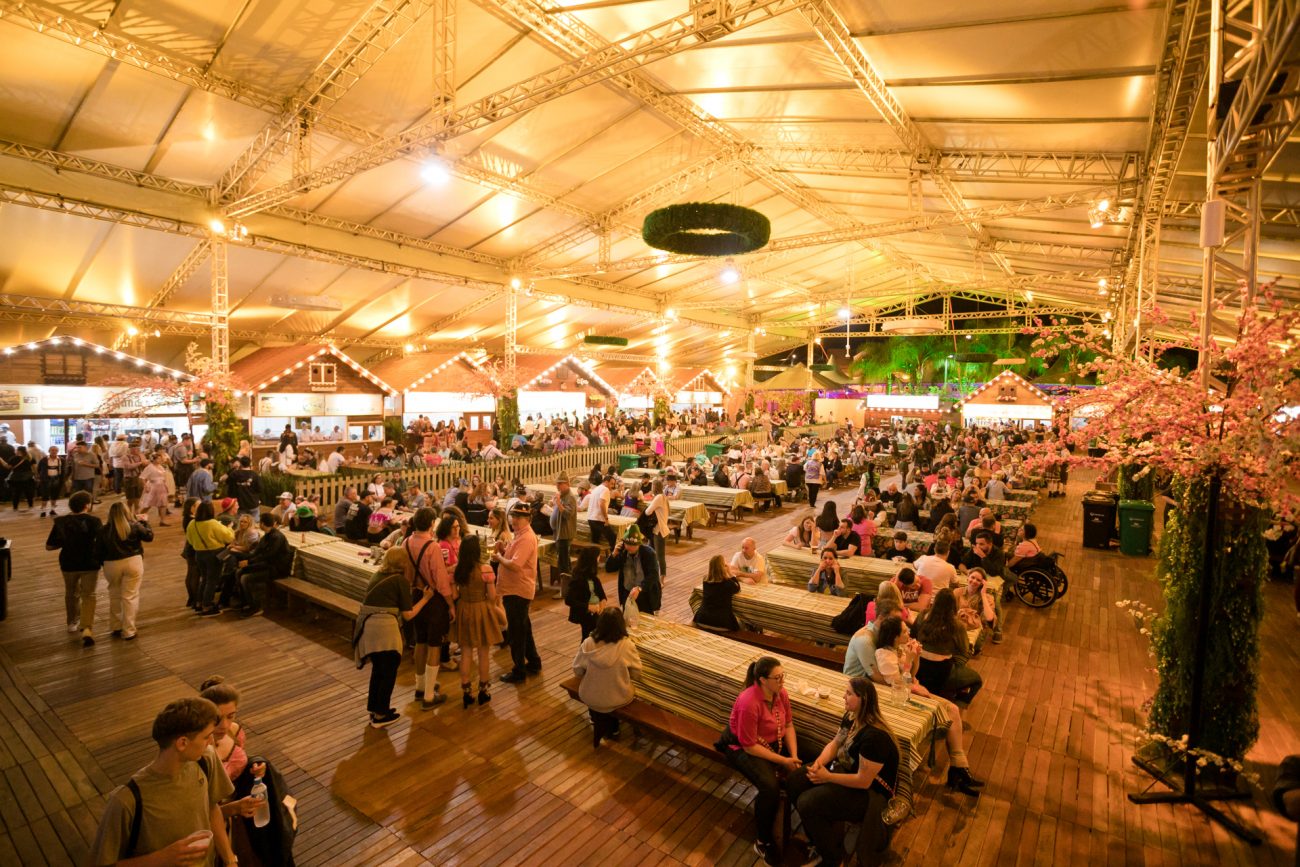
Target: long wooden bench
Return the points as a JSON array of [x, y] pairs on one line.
[[322, 597], [826, 657], [700, 739]]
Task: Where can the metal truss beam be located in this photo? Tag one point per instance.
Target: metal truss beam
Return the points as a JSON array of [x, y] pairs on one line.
[[380, 27], [861, 231], [1265, 35], [444, 53], [65, 162], [1055, 167], [1001, 329], [628, 54], [838, 38], [1269, 215], [995, 291], [363, 230], [1183, 68]]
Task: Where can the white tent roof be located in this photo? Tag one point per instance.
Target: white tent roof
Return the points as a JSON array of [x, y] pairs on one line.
[[323, 130]]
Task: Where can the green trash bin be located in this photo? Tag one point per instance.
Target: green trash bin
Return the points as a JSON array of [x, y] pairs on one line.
[[712, 450], [628, 462], [1136, 518]]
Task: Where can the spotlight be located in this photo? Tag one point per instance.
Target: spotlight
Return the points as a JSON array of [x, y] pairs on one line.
[[1029, 296], [217, 226], [845, 313], [515, 282], [435, 172], [730, 274]]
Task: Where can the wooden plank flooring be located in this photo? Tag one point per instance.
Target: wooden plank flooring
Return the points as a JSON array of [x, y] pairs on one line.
[[517, 782]]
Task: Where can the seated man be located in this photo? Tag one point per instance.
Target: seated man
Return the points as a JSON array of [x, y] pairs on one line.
[[936, 567], [917, 592], [847, 542], [900, 549], [357, 526], [747, 564], [721, 477], [989, 560], [270, 559]]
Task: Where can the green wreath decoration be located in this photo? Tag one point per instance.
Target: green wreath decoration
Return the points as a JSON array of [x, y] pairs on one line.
[[706, 229]]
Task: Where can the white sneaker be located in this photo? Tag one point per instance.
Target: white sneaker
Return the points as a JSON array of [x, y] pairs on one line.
[[73, 628]]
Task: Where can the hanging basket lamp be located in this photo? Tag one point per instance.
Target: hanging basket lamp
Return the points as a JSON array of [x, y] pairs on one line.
[[706, 229]]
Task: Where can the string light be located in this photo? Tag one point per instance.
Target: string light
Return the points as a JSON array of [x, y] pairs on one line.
[[337, 353], [58, 340]]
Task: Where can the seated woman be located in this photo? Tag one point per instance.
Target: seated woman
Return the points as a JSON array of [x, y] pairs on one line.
[[605, 662], [715, 611], [897, 654], [863, 524], [804, 535], [945, 650], [585, 595], [303, 520], [760, 743], [907, 516], [829, 519], [976, 605], [827, 574], [851, 780], [381, 521]]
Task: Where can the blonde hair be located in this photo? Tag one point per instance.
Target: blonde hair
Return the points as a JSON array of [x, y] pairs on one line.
[[888, 600], [120, 519], [717, 569]]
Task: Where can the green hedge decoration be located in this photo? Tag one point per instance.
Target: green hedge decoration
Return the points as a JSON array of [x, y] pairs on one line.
[[1231, 722], [601, 340], [507, 418], [706, 229]]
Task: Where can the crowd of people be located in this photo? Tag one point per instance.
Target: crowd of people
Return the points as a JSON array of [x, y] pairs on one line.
[[458, 575]]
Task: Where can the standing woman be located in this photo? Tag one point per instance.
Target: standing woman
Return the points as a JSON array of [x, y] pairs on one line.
[[50, 472], [813, 475], [854, 776], [208, 537], [759, 741], [658, 512], [121, 548], [586, 595], [193, 578], [22, 477], [154, 478], [377, 636], [604, 664], [478, 623]]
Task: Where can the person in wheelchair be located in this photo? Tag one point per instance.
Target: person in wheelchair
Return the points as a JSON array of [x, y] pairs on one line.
[[1028, 552]]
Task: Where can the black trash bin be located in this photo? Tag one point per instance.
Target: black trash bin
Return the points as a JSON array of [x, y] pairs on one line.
[[6, 564], [1099, 509]]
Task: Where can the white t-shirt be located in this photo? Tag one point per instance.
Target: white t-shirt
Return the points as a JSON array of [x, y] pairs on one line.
[[940, 572], [599, 494], [334, 461], [887, 664], [757, 565]]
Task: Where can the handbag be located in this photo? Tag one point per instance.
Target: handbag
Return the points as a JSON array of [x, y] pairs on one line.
[[896, 810]]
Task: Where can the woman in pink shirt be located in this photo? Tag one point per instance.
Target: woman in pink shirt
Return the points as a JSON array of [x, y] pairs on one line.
[[760, 743]]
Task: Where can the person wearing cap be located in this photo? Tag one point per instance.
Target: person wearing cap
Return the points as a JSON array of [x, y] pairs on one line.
[[564, 523], [302, 519], [284, 508], [638, 571], [228, 511], [517, 584]]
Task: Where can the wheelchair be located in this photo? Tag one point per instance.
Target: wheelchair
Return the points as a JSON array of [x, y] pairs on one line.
[[1040, 581]]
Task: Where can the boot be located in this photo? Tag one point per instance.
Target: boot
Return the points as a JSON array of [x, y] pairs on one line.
[[960, 780], [466, 697], [483, 697]]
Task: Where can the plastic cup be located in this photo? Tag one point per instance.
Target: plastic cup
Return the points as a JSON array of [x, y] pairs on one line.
[[202, 840]]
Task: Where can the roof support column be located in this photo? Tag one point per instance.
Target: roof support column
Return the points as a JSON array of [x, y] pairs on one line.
[[809, 362], [512, 329], [220, 306]]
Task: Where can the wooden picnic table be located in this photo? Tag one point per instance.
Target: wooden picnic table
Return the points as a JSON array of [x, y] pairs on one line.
[[730, 498], [786, 609], [795, 566]]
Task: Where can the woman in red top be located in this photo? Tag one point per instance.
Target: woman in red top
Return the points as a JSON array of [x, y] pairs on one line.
[[760, 743]]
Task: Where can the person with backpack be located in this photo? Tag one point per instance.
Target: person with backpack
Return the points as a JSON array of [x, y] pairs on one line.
[[171, 808], [73, 536]]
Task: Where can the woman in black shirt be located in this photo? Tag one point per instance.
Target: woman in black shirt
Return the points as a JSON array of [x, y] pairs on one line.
[[22, 477], [851, 780], [715, 605]]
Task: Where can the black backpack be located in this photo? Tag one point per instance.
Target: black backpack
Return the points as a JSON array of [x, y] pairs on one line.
[[853, 617]]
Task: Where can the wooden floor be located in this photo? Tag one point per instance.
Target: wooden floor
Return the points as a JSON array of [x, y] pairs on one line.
[[517, 782]]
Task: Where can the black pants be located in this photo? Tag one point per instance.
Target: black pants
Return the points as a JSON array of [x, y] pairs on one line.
[[383, 675], [562, 556], [813, 488], [23, 489], [253, 581], [821, 806], [600, 532], [771, 496], [523, 652], [602, 724]]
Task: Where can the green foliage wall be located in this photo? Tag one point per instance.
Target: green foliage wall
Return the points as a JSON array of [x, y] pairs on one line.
[[508, 417], [1231, 722], [394, 430], [225, 430], [661, 410]]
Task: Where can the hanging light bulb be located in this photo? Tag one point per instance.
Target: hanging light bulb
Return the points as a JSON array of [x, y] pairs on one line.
[[435, 172], [730, 273]]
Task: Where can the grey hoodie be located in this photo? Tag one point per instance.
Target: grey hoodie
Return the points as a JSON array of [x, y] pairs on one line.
[[605, 670]]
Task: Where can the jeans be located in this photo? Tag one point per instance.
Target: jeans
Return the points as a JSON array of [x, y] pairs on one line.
[[253, 581], [813, 488], [661, 551], [78, 593], [87, 485], [962, 683], [124, 577], [822, 585], [821, 806], [523, 652], [562, 556], [209, 576], [383, 676]]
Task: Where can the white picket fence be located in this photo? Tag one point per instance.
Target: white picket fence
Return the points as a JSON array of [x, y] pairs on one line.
[[325, 491]]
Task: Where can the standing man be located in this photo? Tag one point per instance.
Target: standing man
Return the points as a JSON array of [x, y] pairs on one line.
[[73, 536], [638, 571], [200, 484], [85, 468], [598, 511], [517, 584], [183, 463], [245, 486], [564, 525], [117, 457]]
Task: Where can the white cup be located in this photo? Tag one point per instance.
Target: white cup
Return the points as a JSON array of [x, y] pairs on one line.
[[202, 840]]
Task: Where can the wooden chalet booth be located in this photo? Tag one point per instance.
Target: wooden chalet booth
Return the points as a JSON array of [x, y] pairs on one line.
[[442, 387], [883, 408], [1007, 398], [51, 390], [551, 386], [700, 390], [325, 396], [636, 388]]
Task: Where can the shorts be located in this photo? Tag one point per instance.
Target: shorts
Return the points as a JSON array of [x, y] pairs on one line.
[[432, 624], [132, 488]]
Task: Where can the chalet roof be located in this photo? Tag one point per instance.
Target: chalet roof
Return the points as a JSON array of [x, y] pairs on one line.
[[796, 378], [1001, 378], [144, 364], [432, 371], [701, 379], [533, 368], [269, 365], [631, 380]]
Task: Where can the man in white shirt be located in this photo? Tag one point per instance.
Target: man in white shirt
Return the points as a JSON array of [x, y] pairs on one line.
[[747, 564], [335, 460], [491, 452], [598, 512], [936, 566]]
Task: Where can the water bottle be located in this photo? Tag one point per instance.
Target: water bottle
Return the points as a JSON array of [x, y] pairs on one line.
[[262, 817], [899, 689], [906, 691]]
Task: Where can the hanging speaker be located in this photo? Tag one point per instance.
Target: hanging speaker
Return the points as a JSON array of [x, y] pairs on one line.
[[1213, 214]]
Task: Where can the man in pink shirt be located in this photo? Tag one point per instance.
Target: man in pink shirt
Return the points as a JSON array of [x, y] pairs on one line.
[[433, 622], [517, 584]]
